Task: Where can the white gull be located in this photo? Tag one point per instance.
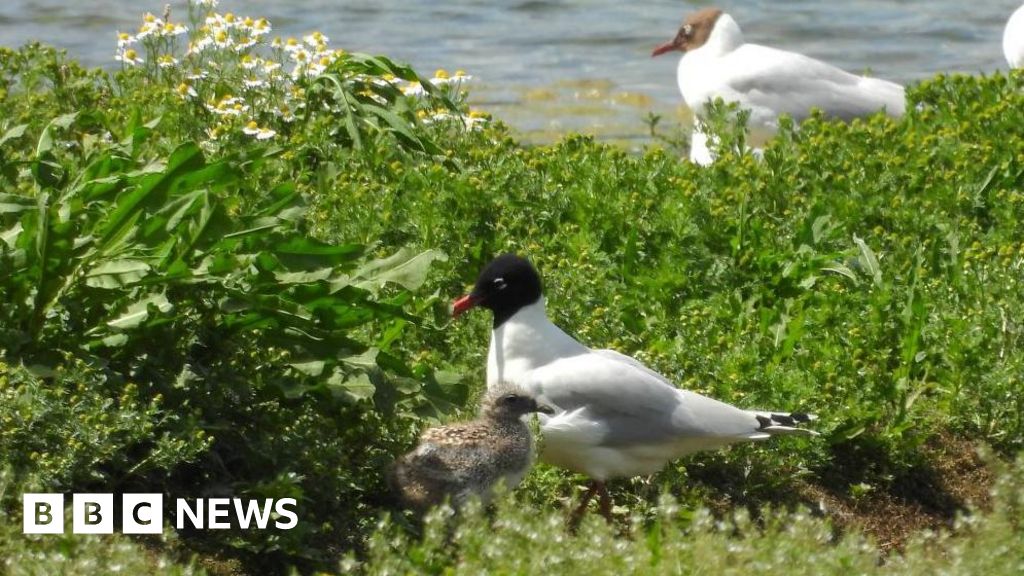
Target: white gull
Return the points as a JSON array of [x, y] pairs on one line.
[[1013, 39], [614, 417], [718, 63]]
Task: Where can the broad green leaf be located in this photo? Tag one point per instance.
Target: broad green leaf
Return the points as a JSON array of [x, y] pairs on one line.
[[41, 370], [820, 228], [869, 261], [842, 270], [367, 360], [310, 246], [186, 158], [116, 273], [138, 312], [13, 133], [45, 144], [353, 387], [14, 203], [115, 340], [10, 236], [405, 268], [312, 368], [400, 126], [303, 277]]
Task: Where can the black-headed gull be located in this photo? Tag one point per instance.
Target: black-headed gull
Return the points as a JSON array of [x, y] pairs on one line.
[[468, 459], [1013, 39], [717, 63], [614, 416]]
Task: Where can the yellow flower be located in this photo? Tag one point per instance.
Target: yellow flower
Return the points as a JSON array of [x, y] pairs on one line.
[[185, 90], [259, 132], [222, 39], [129, 56], [316, 39], [441, 73], [166, 61], [172, 29]]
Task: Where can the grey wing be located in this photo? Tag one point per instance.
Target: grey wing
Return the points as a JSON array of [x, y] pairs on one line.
[[794, 84], [631, 404], [620, 357]]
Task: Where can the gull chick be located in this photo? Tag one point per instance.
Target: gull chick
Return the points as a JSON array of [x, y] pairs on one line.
[[718, 63], [614, 417], [458, 461]]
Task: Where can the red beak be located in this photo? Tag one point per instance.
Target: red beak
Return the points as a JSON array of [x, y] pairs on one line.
[[463, 304], [663, 48]]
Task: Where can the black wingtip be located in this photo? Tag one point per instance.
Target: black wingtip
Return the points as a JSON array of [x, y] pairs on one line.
[[792, 420]]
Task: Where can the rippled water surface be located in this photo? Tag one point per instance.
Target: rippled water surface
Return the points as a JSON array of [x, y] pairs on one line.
[[548, 66]]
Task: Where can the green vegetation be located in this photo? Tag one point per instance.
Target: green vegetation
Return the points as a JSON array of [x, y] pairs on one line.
[[213, 286]]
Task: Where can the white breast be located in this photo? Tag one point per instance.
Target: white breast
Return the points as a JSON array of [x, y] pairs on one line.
[[1013, 39]]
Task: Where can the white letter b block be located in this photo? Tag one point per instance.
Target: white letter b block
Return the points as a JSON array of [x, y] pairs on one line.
[[92, 514], [42, 513]]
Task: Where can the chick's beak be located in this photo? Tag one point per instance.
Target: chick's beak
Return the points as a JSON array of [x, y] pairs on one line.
[[545, 409], [462, 305]]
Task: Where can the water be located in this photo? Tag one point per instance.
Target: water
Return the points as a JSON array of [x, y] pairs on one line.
[[548, 67]]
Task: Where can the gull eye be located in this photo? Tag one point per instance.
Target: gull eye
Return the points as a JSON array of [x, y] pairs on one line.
[[499, 284]]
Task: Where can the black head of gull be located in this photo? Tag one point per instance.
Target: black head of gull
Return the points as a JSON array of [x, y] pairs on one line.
[[614, 417], [506, 285]]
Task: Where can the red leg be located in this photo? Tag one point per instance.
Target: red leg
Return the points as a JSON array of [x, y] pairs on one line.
[[577, 514], [606, 501]]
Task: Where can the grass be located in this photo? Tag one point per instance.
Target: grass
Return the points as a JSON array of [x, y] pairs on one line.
[[869, 273]]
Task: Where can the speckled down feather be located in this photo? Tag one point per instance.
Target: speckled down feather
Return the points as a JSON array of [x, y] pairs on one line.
[[466, 459]]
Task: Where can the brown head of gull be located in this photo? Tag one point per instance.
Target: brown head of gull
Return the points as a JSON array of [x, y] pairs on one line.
[[717, 62]]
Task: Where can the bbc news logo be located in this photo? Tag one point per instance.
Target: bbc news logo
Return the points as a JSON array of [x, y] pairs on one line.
[[143, 513]]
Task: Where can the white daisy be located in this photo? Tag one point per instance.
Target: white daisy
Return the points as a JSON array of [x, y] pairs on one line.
[[150, 25], [316, 40], [254, 83], [129, 56], [260, 132], [172, 29], [124, 39], [261, 27], [166, 61], [185, 90], [284, 113]]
